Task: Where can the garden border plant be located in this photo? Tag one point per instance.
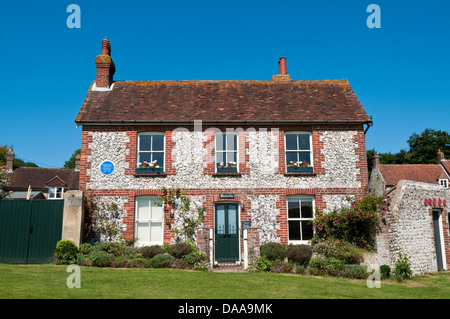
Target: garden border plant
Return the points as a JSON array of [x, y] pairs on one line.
[[121, 255], [357, 224]]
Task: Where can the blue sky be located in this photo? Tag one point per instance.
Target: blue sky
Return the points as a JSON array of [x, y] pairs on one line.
[[400, 72]]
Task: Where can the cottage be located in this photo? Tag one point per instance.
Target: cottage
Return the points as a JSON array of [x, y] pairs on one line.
[[417, 221], [265, 154], [39, 182]]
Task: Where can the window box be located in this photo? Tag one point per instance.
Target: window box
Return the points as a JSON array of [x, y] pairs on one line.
[[227, 169], [149, 170], [299, 169]]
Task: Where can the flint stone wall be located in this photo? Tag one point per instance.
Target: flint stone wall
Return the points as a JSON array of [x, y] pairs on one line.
[[189, 155], [410, 225], [340, 163]]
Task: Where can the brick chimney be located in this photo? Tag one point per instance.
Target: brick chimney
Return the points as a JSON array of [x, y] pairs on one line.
[[10, 159], [440, 156], [77, 162], [376, 160], [105, 66], [282, 75]]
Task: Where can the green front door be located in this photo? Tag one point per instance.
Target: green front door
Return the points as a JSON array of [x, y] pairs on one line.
[[226, 232]]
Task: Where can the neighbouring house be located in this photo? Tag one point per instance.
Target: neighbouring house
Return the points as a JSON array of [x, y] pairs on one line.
[[416, 223], [42, 183], [264, 154]]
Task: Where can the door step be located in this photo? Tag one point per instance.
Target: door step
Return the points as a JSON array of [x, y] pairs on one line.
[[229, 267]]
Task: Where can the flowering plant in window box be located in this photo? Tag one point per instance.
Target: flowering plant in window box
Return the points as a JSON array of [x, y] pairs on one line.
[[300, 166], [149, 168], [229, 167]]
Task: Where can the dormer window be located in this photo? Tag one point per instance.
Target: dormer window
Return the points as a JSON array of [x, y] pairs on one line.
[[55, 192], [444, 182]]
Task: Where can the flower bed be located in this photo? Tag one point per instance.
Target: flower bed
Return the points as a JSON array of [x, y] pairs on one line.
[[120, 255]]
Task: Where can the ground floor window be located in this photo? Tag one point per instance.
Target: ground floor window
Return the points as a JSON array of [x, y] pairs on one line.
[[300, 218], [148, 221]]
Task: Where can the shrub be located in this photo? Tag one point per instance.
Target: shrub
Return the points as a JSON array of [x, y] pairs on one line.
[[140, 262], [356, 224], [281, 267], [301, 269], [299, 254], [262, 263], [326, 266], [354, 271], [339, 249], [101, 258], [114, 248], [66, 252], [85, 248], [131, 252], [402, 268], [273, 251], [151, 251], [162, 261], [385, 271], [193, 258], [120, 262], [179, 250]]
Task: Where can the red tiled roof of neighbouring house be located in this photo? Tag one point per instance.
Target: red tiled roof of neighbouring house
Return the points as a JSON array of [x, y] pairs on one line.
[[223, 101], [426, 173], [40, 178]]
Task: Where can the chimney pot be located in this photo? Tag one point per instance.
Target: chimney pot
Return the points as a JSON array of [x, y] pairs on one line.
[[77, 162], [106, 47], [105, 66], [440, 156], [282, 66], [10, 159], [376, 160]]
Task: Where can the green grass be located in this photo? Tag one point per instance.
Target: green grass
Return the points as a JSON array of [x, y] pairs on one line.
[[49, 282]]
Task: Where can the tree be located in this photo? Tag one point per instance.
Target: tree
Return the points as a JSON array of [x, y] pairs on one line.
[[423, 148], [17, 161], [71, 162]]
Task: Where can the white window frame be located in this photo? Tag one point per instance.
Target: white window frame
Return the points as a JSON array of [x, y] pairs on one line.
[[444, 182], [148, 242], [299, 198], [151, 147], [55, 191], [298, 147], [226, 150]]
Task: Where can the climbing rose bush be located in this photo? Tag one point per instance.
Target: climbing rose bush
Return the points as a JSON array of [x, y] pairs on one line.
[[356, 224]]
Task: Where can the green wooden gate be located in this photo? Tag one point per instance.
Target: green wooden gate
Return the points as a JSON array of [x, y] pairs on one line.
[[29, 230], [226, 232]]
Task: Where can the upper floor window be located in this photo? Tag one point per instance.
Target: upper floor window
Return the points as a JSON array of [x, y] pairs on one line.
[[55, 192], [300, 219], [298, 152], [150, 153], [226, 154], [444, 182]]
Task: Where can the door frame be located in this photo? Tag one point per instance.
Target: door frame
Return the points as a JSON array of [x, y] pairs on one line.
[[238, 204], [441, 237]]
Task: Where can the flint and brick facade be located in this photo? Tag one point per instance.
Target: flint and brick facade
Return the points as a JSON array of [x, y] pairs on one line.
[[190, 114]]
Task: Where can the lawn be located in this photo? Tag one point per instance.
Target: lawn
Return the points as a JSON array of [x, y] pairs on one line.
[[49, 282]]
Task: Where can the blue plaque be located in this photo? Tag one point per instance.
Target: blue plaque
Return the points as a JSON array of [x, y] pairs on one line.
[[107, 167]]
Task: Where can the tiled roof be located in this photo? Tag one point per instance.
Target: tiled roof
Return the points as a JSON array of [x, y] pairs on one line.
[[224, 101], [40, 178], [427, 173]]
